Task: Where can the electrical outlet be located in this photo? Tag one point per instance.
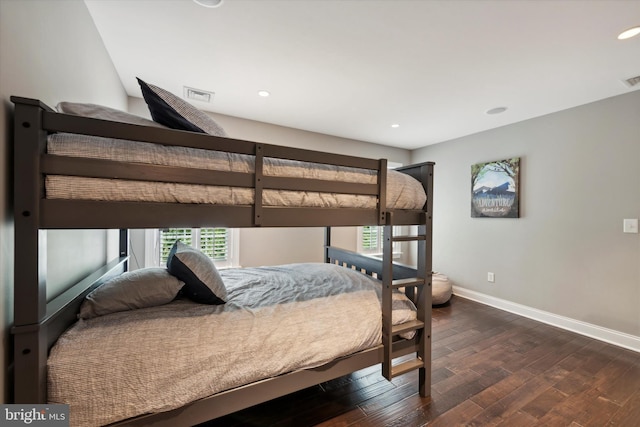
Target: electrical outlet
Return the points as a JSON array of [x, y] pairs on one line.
[[630, 225], [491, 277]]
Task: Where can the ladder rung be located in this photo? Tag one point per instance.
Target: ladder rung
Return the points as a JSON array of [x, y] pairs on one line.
[[409, 238], [404, 367], [412, 281], [412, 325]]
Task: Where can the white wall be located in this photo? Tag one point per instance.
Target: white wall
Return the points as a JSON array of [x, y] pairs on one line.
[[272, 246], [567, 254], [49, 50]]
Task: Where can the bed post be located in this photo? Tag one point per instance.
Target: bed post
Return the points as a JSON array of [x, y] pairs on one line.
[[124, 246], [327, 244], [257, 185], [425, 263], [423, 172], [30, 263], [382, 191]]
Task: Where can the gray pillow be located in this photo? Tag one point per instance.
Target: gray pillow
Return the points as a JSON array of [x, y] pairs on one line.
[[203, 283], [142, 288], [172, 111], [104, 113]]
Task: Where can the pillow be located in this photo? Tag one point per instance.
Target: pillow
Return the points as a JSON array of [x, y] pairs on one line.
[[105, 113], [172, 111], [203, 283], [146, 287]]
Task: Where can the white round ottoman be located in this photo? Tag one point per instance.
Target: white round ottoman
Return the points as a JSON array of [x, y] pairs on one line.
[[440, 289]]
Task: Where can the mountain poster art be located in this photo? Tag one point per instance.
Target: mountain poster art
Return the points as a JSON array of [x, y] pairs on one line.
[[494, 189]]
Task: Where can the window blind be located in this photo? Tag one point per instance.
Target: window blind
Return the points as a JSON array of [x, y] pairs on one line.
[[371, 238], [214, 242]]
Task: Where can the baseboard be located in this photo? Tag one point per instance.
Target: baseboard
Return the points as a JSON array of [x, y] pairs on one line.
[[610, 336]]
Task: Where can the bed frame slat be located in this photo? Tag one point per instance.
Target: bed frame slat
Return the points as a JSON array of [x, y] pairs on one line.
[[312, 156], [88, 214], [109, 169], [369, 264]]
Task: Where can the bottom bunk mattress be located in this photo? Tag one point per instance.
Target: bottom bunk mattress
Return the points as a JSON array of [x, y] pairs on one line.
[[276, 320]]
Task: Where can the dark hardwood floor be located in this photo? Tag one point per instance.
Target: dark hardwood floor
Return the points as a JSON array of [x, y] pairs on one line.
[[490, 368]]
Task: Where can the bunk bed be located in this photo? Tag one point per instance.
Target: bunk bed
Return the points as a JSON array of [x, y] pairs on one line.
[[39, 323]]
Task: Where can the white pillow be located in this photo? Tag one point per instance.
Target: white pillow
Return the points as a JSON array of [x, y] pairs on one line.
[[142, 288]]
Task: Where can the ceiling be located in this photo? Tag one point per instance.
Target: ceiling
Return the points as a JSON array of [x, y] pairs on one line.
[[352, 68]]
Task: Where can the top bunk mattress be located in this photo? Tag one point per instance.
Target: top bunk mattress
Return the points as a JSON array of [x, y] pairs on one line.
[[403, 191]]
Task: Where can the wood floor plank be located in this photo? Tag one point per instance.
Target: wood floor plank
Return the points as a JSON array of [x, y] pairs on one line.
[[458, 415], [544, 402], [620, 390], [588, 409], [396, 412], [576, 381], [629, 414], [490, 395], [513, 401], [561, 349], [518, 419]]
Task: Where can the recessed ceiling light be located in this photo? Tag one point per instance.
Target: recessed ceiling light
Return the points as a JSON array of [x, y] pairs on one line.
[[627, 34], [264, 93], [395, 125], [208, 3], [497, 110]]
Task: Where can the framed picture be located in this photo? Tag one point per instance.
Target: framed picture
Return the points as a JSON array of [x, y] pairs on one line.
[[495, 189]]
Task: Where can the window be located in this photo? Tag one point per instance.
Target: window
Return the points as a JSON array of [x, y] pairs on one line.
[[219, 244], [370, 240]]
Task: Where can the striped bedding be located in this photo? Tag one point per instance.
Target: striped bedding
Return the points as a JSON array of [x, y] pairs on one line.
[[403, 191]]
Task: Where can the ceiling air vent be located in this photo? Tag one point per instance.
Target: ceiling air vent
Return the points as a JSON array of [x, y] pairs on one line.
[[197, 94], [633, 81]]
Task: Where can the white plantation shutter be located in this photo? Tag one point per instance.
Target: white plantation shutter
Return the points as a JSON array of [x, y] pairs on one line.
[[213, 242], [168, 236], [371, 238]]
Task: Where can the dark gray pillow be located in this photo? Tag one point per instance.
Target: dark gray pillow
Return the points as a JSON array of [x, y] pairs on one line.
[[203, 283], [142, 288], [173, 112]]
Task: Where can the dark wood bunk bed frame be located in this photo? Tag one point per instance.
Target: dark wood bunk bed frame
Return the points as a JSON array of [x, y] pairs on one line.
[[38, 322]]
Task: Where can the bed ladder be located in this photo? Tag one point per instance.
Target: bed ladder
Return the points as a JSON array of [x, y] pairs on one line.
[[418, 289]]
